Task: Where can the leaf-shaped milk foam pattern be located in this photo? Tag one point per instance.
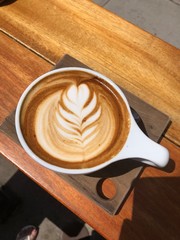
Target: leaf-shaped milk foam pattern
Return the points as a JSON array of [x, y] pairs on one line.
[[77, 114]]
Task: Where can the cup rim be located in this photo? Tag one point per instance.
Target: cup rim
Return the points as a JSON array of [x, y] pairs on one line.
[[25, 145]]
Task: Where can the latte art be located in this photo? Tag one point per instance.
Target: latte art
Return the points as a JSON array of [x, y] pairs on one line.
[[77, 115], [74, 120]]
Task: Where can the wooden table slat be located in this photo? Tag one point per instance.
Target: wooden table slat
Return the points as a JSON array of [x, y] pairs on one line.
[[142, 63]]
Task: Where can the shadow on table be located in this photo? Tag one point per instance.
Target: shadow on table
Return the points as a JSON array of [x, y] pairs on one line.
[[34, 207], [156, 210], [122, 167], [154, 200]]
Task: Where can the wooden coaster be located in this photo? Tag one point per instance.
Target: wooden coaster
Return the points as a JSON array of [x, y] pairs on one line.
[[110, 186]]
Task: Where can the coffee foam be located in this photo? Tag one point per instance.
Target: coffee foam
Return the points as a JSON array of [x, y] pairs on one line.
[[74, 120]]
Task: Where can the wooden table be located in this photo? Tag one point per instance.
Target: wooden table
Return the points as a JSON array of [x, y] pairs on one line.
[[34, 36]]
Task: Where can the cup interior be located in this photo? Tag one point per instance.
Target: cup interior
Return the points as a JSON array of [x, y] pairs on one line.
[[82, 168]]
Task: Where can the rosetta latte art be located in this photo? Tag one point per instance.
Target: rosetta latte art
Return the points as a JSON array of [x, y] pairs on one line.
[[70, 124]]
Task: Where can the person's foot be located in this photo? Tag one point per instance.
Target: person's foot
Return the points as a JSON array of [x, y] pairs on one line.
[[28, 233]]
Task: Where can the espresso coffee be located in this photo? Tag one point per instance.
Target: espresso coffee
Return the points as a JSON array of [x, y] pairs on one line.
[[74, 120]]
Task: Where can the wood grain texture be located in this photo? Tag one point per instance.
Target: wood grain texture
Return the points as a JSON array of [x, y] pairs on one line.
[[138, 61], [18, 67]]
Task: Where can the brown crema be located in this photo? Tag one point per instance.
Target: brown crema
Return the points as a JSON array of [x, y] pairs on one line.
[[74, 120]]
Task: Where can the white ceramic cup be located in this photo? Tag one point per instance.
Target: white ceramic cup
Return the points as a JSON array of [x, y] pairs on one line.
[[137, 146]]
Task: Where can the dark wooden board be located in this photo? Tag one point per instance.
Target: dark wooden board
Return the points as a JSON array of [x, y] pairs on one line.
[[123, 173]]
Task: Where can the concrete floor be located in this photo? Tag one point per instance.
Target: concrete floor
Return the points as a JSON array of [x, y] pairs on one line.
[[158, 17], [34, 205]]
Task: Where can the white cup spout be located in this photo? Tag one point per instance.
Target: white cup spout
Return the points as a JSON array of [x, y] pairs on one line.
[[142, 148]]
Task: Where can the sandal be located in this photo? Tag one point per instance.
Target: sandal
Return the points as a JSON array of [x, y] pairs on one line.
[[28, 233]]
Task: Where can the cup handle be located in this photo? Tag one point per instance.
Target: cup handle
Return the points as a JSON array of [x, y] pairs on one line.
[[141, 148]]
